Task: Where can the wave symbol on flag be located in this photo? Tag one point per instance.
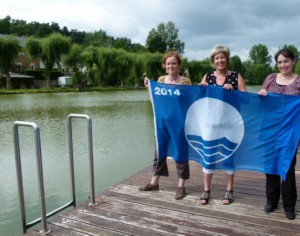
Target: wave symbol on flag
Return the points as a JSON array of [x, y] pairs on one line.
[[214, 129], [212, 151]]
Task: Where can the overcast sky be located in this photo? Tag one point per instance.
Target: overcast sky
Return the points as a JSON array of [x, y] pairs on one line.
[[239, 24]]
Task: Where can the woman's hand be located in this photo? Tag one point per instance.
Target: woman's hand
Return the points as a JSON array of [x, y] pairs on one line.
[[146, 81], [263, 92], [228, 86], [203, 83]]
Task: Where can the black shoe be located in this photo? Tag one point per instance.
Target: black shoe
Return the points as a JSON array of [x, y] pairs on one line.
[[290, 214], [269, 208]]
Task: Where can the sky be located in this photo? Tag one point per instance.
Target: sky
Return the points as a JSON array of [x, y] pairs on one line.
[[202, 24]]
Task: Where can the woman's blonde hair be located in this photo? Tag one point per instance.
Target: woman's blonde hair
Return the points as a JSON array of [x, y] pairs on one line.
[[220, 49]]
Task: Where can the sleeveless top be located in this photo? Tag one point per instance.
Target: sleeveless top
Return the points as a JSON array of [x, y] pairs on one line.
[[272, 87], [184, 81], [232, 79]]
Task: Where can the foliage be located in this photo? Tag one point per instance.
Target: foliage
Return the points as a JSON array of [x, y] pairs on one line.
[[195, 69], [9, 49], [98, 39], [153, 65], [259, 54], [297, 68], [73, 59], [293, 49], [255, 74], [236, 64], [50, 50], [113, 61], [164, 38]]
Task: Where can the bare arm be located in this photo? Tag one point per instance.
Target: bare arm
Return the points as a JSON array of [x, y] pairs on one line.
[[241, 84], [146, 81], [203, 81]]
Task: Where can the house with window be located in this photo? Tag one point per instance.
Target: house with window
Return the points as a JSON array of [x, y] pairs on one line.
[[23, 61]]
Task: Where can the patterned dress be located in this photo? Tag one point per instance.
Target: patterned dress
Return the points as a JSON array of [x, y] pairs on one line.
[[232, 79], [184, 81], [271, 86]]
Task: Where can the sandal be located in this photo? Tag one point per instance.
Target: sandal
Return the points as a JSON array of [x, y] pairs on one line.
[[228, 197], [204, 197]]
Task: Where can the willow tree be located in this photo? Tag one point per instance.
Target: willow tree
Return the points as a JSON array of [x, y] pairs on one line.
[[9, 49], [50, 50]]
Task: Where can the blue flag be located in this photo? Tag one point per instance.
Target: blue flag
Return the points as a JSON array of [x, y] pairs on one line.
[[226, 129]]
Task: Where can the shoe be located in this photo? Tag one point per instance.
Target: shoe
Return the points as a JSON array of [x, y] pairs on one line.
[[149, 187], [228, 197], [270, 208], [290, 214], [205, 197], [180, 193]]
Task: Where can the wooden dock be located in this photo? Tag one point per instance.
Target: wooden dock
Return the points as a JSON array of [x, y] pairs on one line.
[[123, 210]]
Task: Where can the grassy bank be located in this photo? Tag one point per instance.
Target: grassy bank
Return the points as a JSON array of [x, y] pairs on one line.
[[61, 90]]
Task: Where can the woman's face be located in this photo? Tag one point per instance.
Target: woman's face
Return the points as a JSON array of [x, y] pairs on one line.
[[220, 61], [285, 65], [172, 66]]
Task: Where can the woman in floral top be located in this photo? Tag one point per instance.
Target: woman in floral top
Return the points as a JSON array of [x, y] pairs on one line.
[[284, 82]]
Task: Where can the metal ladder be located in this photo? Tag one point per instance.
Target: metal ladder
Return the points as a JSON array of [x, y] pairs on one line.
[[37, 138]]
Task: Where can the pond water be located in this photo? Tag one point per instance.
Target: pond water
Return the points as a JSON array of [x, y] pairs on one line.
[[123, 144]]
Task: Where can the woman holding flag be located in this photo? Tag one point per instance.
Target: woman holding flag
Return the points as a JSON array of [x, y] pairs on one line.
[[172, 64], [227, 79], [284, 82]]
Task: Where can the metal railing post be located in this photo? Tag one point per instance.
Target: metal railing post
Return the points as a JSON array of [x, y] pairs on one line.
[[71, 154], [39, 173]]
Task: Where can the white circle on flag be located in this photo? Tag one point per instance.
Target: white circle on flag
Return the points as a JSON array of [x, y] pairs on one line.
[[214, 129]]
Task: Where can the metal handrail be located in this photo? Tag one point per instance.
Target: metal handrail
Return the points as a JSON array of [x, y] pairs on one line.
[[71, 154], [39, 173], [45, 215]]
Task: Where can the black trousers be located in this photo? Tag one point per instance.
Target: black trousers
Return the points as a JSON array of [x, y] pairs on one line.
[[288, 189], [160, 167]]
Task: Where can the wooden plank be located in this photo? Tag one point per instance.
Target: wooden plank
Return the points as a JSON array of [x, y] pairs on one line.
[[123, 210]]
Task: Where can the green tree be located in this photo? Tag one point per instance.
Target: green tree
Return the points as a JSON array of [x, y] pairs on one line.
[[123, 43], [153, 65], [77, 36], [297, 68], [236, 64], [293, 49], [155, 42], [9, 49], [98, 39], [5, 25], [90, 59], [73, 59], [195, 71], [164, 38], [259, 54], [50, 50]]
